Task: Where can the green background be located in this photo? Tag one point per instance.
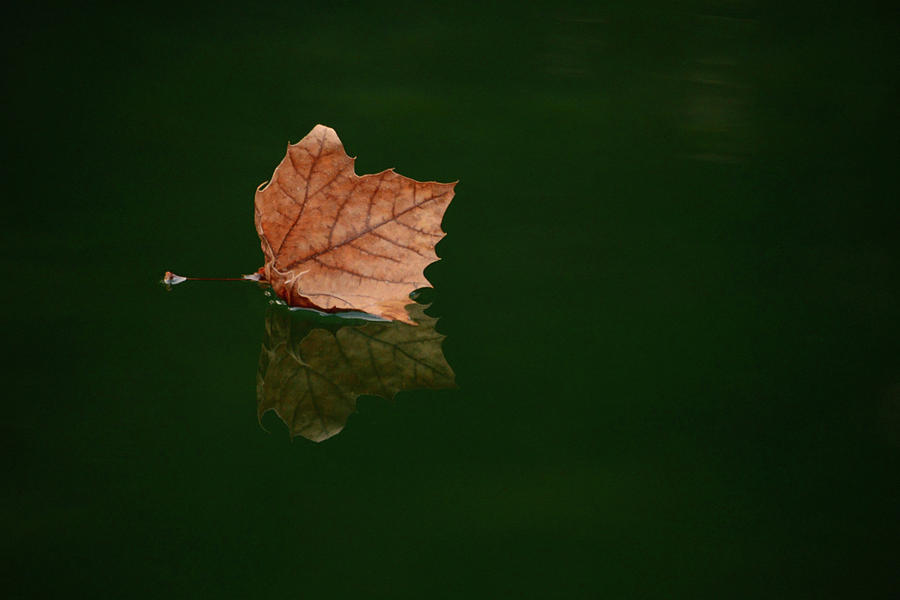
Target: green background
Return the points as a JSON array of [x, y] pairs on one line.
[[670, 291]]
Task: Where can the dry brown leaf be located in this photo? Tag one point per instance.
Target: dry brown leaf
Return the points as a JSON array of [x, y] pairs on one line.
[[311, 376], [334, 240]]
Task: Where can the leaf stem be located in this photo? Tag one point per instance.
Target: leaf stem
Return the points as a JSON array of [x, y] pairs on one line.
[[170, 278]]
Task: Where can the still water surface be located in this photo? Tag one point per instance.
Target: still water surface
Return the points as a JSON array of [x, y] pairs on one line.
[[669, 292]]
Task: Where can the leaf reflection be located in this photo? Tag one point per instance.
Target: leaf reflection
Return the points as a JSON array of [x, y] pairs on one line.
[[311, 373]]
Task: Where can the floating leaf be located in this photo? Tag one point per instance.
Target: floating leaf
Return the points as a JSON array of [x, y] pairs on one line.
[[311, 375], [334, 240]]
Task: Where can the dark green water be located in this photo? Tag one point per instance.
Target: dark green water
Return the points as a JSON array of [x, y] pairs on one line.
[[670, 291]]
